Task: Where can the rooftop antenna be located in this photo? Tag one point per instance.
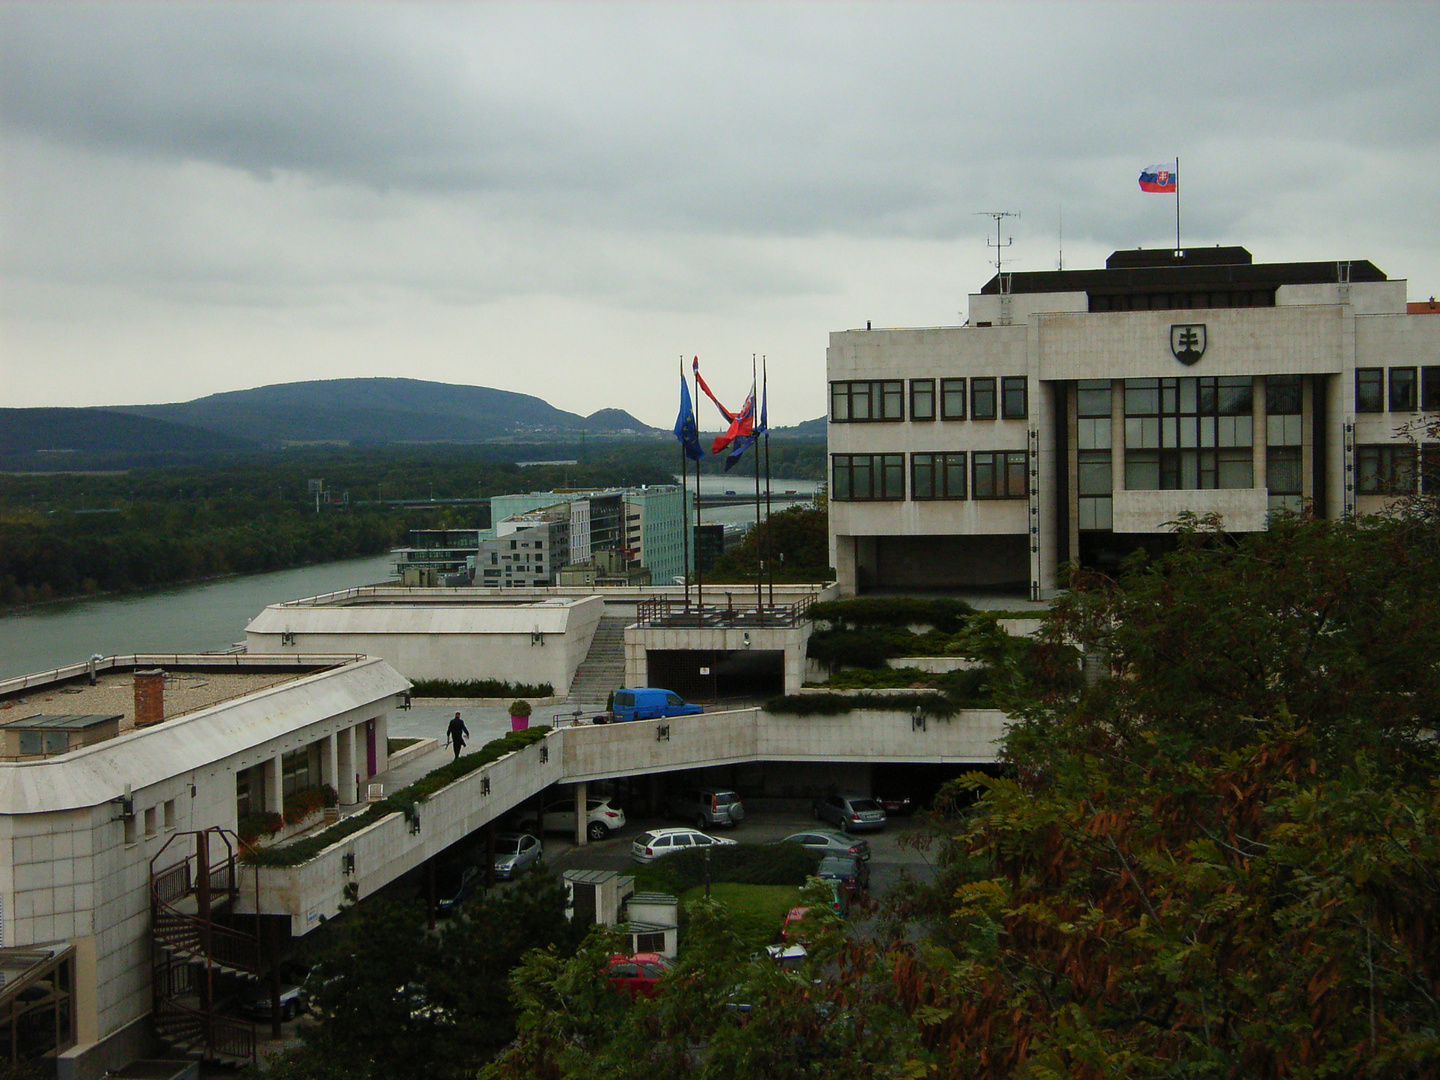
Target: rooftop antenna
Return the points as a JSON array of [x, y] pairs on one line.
[[1061, 211], [999, 245]]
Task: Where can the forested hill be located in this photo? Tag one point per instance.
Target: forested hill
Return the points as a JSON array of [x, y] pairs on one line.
[[361, 411], [49, 436]]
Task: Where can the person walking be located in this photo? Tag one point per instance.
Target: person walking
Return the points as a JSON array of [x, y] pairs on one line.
[[455, 734]]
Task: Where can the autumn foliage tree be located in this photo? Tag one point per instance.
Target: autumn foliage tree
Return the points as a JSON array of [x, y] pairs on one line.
[[1220, 858]]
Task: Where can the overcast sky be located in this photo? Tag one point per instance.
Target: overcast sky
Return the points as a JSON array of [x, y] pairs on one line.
[[564, 199]]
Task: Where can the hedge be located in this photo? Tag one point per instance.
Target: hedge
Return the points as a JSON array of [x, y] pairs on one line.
[[405, 801], [479, 688]]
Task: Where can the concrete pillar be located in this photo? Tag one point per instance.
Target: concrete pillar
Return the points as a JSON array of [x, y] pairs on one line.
[[382, 742], [581, 799], [327, 762], [274, 785], [345, 765]]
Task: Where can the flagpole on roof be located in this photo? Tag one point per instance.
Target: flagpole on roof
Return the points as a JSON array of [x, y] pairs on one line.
[[759, 536], [765, 420], [684, 502], [699, 572], [1177, 206]]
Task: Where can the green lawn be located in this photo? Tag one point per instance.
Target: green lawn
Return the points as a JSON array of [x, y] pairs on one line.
[[757, 910]]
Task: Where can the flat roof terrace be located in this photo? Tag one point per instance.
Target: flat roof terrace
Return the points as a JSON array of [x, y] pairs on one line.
[[191, 682]]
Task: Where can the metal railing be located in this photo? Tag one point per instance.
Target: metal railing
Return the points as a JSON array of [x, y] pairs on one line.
[[739, 611]]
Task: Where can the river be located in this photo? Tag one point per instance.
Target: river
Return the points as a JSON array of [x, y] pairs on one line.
[[212, 615], [205, 617]]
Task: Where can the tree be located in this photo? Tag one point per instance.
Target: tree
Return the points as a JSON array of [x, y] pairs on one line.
[[396, 1000], [795, 539], [1223, 859]]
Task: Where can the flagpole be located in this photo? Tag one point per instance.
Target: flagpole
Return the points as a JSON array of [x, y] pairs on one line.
[[685, 499], [1177, 206], [759, 536], [765, 415], [699, 571]]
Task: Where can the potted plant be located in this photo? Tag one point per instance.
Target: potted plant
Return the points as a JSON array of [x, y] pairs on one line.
[[519, 714]]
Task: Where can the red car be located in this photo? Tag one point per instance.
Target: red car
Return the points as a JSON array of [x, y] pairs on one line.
[[637, 974]]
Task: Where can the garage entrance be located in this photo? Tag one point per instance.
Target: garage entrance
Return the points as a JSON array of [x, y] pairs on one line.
[[714, 675]]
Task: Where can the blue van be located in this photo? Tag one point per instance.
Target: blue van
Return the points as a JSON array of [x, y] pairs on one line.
[[650, 703]]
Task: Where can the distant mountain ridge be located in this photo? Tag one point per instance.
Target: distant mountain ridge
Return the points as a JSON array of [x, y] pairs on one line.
[[355, 412], [394, 410]]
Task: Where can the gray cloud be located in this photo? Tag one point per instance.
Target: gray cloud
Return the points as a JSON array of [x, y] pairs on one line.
[[692, 163]]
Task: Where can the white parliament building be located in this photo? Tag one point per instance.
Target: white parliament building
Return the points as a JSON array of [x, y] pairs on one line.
[[1078, 412]]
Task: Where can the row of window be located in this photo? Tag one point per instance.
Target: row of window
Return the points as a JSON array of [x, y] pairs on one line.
[[978, 474], [1385, 469], [883, 400], [1410, 389]]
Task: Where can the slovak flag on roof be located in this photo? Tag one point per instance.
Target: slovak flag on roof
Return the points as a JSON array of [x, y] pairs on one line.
[[1164, 179]]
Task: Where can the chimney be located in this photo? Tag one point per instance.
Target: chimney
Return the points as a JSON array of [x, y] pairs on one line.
[[149, 697]]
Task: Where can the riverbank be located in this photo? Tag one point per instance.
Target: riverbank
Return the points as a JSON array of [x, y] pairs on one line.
[[202, 616]]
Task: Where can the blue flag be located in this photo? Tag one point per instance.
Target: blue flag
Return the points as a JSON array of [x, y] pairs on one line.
[[686, 430], [744, 442]]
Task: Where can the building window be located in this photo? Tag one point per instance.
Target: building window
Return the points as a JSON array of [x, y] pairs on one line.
[[1014, 397], [150, 819], [1370, 389], [300, 770], [867, 477], [982, 398], [1402, 389], [169, 814], [999, 474], [1283, 473], [922, 399], [1430, 469], [1282, 395], [1092, 397], [952, 399], [1430, 389], [860, 402], [1388, 469], [1186, 433], [937, 476]]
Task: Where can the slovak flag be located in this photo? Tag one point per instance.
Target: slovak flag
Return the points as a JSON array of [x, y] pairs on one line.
[[1163, 179]]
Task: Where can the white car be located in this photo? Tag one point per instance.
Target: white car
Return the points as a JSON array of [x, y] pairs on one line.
[[649, 846], [558, 816]]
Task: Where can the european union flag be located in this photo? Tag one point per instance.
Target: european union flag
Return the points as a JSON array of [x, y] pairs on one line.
[[686, 430]]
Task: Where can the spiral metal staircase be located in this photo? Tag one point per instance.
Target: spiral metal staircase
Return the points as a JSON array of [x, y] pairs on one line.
[[197, 959]]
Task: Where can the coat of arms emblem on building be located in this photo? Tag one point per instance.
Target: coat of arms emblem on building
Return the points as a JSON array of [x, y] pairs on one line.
[[1187, 342]]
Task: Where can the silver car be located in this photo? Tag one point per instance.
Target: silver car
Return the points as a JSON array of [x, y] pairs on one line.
[[850, 812], [515, 853], [830, 842], [649, 846]]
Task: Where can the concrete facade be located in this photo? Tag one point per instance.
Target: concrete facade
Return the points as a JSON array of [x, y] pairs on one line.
[[1068, 420], [454, 634], [79, 831]]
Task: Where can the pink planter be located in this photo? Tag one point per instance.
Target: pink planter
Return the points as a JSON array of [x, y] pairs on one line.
[[519, 723]]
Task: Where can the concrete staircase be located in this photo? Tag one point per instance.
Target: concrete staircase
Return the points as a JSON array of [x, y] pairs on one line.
[[603, 668]]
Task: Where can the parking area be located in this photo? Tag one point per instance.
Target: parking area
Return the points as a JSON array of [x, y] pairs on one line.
[[764, 822]]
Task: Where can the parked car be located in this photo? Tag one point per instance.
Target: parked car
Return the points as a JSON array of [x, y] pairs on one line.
[[637, 974], [829, 842], [601, 818], [457, 886], [257, 1002], [706, 807], [896, 805], [515, 853], [649, 846], [852, 873], [650, 703], [849, 812]]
